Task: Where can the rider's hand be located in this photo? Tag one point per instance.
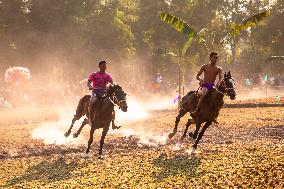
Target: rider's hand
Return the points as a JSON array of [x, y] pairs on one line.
[[91, 88], [218, 83]]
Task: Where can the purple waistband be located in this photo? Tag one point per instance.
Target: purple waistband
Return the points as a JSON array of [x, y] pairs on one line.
[[209, 86]]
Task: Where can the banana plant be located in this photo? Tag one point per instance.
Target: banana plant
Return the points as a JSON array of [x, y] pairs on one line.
[[191, 34], [235, 30], [184, 28]]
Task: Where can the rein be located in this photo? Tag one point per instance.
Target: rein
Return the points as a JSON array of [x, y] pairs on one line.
[[114, 98], [219, 91], [226, 88], [112, 101]]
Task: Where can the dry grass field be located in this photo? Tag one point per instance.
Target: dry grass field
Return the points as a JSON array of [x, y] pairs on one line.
[[246, 150]]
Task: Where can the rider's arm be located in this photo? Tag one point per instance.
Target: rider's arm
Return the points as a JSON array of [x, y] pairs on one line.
[[200, 72], [89, 85], [110, 80]]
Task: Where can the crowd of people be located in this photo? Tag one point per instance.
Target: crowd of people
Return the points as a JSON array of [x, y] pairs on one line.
[[262, 80], [29, 93]]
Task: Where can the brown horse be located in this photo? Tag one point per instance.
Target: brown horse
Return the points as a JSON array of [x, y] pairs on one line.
[[82, 110], [209, 109], [103, 113]]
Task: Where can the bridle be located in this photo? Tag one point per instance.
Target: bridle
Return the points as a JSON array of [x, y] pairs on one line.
[[114, 99], [225, 89]]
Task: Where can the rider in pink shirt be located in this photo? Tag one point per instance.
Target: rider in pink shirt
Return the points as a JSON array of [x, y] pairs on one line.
[[99, 79]]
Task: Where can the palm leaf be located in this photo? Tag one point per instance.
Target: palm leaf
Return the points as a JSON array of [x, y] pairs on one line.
[[178, 24], [250, 22], [254, 19], [184, 28], [186, 45]]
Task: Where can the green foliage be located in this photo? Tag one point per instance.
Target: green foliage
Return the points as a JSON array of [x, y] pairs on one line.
[[78, 32], [178, 24], [184, 28], [251, 21]]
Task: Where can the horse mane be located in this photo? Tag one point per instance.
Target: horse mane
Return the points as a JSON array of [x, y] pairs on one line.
[[110, 90], [221, 87], [216, 97]]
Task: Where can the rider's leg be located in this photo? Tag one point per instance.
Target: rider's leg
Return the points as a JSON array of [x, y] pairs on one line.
[[92, 102], [204, 92]]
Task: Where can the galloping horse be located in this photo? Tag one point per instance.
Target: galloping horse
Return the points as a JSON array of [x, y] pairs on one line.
[[209, 109], [103, 113], [81, 110]]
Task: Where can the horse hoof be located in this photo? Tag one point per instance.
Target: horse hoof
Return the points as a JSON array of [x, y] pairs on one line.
[[75, 135], [171, 135], [100, 157], [193, 150], [190, 135], [67, 134], [116, 127]]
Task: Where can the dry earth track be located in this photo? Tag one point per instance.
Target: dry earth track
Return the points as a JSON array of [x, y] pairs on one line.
[[245, 150]]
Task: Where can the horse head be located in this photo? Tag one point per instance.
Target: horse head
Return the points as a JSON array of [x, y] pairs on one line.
[[118, 96], [229, 85]]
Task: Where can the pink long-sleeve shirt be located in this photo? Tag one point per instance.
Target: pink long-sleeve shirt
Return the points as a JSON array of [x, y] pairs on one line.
[[100, 80]]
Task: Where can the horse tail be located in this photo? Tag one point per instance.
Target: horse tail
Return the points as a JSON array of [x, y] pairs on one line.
[[82, 105]]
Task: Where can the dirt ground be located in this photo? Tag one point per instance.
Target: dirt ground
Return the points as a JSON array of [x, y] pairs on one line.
[[245, 150]]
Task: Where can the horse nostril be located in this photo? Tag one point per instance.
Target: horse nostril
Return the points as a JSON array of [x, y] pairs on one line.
[[233, 97]]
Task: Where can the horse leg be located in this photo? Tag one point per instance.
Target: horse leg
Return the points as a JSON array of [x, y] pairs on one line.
[[189, 122], [75, 118], [206, 125], [91, 139], [91, 107], [80, 111], [112, 121], [85, 122], [104, 133], [182, 112], [194, 136]]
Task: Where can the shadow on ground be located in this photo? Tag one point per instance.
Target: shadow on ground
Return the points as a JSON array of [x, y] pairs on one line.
[[45, 172], [185, 165], [254, 105]]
